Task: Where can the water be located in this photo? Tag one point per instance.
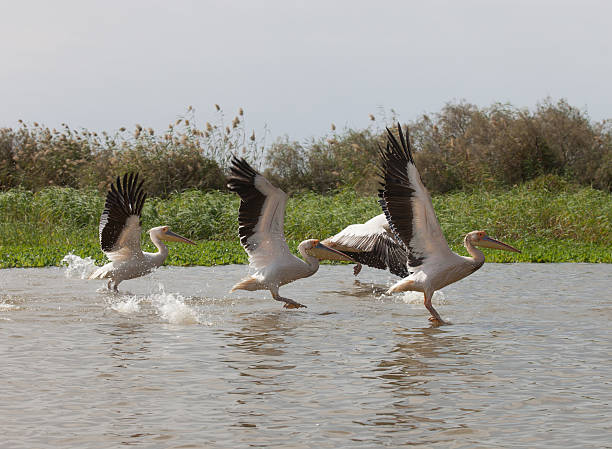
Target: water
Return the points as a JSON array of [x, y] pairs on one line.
[[174, 361]]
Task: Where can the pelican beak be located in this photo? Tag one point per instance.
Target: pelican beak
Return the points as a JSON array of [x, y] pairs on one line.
[[172, 237], [337, 255], [488, 242]]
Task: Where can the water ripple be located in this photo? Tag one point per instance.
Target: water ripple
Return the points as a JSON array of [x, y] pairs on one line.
[[175, 361]]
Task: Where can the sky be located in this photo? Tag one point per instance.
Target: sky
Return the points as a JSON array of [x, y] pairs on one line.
[[295, 66]]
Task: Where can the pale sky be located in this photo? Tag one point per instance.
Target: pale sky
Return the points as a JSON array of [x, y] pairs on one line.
[[295, 66]]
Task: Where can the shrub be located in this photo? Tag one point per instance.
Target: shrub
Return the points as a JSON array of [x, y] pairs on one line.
[[464, 146], [460, 147], [347, 159]]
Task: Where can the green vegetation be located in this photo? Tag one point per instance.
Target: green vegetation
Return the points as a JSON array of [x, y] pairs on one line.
[[527, 177], [549, 219]]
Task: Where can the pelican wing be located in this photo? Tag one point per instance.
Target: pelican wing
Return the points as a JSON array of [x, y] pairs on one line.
[[373, 244], [120, 221], [407, 204], [261, 215]]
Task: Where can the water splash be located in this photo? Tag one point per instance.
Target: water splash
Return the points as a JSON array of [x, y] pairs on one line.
[[411, 297], [77, 267], [6, 306], [130, 305], [172, 308]]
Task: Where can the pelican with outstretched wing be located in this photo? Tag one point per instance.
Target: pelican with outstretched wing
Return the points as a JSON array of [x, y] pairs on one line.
[[371, 243], [261, 228], [120, 229], [408, 208]]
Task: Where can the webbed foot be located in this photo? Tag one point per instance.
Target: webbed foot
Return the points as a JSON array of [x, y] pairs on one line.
[[294, 305], [437, 321], [290, 303]]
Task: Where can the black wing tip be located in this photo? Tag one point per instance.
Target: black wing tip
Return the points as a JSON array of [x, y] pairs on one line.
[[394, 156], [125, 196], [127, 185], [242, 174], [395, 189], [397, 150], [242, 164], [128, 180]]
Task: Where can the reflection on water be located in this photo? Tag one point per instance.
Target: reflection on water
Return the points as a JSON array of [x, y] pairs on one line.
[[361, 289], [526, 363], [410, 373], [262, 334], [127, 341], [416, 355]]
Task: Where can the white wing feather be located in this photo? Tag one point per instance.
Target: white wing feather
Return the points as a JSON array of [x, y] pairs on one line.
[[429, 238], [268, 241]]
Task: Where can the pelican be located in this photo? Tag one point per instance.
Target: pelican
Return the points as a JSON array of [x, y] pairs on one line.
[[408, 208], [371, 243], [261, 228], [120, 234]]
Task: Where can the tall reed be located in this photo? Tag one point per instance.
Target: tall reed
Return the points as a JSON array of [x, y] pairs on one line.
[[184, 156]]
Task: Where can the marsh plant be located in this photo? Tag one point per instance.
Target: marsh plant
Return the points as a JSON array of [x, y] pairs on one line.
[[550, 219], [461, 147], [184, 156]]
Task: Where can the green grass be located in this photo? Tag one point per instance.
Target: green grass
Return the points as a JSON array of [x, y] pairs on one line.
[[573, 224]]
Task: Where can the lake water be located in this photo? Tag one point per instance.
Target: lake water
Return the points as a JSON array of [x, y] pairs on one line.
[[174, 361]]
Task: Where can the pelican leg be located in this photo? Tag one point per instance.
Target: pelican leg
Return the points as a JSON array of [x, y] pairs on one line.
[[435, 316], [357, 269], [289, 303]]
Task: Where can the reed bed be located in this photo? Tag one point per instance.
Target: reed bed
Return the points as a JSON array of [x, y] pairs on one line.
[[183, 156], [461, 147]]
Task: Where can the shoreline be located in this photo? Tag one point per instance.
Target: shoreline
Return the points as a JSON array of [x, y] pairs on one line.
[[212, 253]]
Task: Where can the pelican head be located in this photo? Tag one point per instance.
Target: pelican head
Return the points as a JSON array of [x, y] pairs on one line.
[[480, 238], [164, 233], [317, 249]]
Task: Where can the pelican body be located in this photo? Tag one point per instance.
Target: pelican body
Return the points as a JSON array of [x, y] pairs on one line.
[[120, 229], [407, 205], [372, 243], [261, 228]]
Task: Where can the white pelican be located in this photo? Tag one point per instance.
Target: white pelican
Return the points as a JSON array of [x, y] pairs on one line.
[[408, 207], [261, 228], [371, 243], [120, 234]]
